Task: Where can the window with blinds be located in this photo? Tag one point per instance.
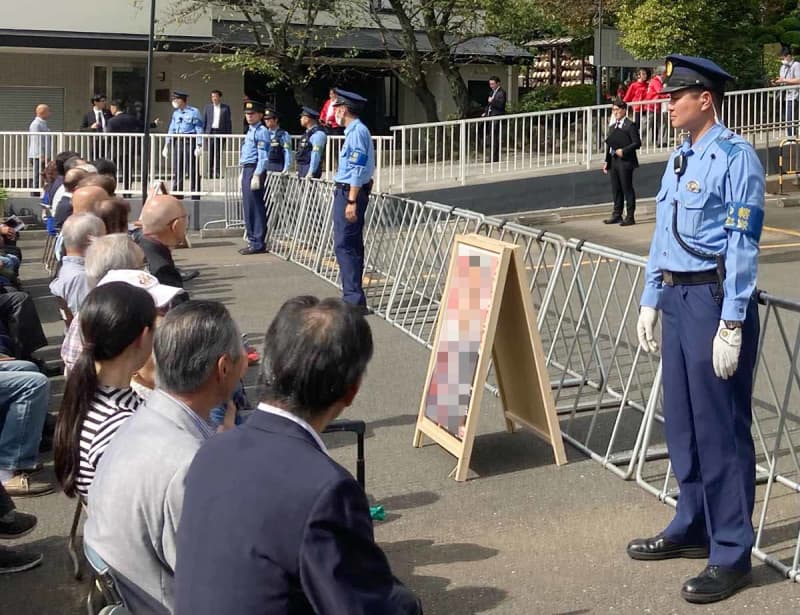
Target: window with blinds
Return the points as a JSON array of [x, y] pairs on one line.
[[17, 104]]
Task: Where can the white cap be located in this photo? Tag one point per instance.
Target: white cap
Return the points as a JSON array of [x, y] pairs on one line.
[[161, 293]]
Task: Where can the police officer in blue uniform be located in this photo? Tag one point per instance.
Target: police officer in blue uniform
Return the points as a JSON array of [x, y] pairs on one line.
[[701, 275], [185, 120], [253, 161], [351, 195], [311, 149], [279, 156]]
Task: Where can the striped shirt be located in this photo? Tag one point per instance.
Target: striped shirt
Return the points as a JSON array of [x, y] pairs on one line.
[[109, 409]]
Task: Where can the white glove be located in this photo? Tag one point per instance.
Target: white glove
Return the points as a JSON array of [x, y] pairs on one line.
[[198, 151], [727, 345], [165, 151], [648, 317], [255, 183], [285, 172]]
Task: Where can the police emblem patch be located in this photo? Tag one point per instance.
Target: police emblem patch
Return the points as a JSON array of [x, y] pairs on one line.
[[693, 186]]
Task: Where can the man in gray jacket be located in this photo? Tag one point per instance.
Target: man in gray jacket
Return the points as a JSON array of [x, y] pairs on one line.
[[136, 498]]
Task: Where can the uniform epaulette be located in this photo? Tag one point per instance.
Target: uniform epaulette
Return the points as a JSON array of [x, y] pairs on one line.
[[726, 143]]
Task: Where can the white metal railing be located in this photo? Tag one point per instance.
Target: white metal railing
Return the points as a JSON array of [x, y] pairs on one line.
[[189, 164], [457, 150]]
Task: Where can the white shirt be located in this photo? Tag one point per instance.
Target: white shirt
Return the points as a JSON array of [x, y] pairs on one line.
[[215, 121], [100, 118], [294, 419], [791, 72]]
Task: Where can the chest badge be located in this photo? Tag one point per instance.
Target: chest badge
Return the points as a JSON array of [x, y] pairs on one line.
[[693, 186]]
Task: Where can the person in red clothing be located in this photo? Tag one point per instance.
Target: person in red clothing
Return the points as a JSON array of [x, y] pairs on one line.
[[638, 91], [658, 113], [327, 117]]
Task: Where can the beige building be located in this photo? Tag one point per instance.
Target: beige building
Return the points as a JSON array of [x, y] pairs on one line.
[[63, 53]]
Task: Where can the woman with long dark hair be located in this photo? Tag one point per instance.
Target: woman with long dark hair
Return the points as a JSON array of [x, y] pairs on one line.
[[116, 322]]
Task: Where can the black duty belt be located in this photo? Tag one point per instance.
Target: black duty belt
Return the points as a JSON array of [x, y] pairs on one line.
[[689, 278], [249, 165], [343, 186]]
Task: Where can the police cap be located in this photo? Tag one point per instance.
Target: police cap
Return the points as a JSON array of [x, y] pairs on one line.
[[309, 112], [179, 94], [691, 72], [270, 114], [351, 100], [253, 106]]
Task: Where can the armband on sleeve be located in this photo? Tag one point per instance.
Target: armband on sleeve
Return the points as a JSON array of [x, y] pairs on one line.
[[745, 219]]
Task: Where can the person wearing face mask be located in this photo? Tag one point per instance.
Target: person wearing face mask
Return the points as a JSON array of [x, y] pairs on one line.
[[351, 195], [186, 120], [621, 161], [789, 75], [701, 276]]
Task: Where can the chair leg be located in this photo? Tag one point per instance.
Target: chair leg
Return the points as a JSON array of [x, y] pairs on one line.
[[71, 543]]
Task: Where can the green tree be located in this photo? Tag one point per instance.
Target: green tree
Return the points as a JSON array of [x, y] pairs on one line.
[[721, 30]]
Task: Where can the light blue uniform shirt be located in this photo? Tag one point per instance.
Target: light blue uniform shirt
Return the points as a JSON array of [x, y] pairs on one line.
[[357, 158], [186, 121], [286, 142], [255, 147], [317, 141], [720, 200]]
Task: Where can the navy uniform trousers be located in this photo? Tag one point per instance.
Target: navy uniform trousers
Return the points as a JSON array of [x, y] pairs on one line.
[[348, 242], [255, 213], [707, 424], [302, 170]]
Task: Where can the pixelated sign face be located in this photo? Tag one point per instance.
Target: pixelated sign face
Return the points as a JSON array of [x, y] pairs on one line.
[[466, 310]]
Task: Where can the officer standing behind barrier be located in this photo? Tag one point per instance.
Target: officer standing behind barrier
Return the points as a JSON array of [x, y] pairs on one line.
[[253, 161], [185, 120], [351, 195], [701, 274], [311, 149], [279, 158]]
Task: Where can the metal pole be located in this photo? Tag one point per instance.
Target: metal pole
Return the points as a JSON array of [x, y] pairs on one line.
[[147, 97], [598, 68]]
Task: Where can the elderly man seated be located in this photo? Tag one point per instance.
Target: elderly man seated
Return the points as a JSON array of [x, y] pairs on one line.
[[137, 493], [114, 213], [77, 233], [163, 228], [62, 207], [272, 524]]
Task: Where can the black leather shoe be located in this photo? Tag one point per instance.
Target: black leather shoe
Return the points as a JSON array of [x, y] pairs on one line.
[[627, 222], [715, 583], [613, 220], [248, 250], [660, 547], [187, 276]]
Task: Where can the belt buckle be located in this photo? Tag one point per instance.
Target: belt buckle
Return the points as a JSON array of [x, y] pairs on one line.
[[667, 277]]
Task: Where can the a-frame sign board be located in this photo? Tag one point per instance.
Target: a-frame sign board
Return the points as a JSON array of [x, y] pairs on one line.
[[486, 314]]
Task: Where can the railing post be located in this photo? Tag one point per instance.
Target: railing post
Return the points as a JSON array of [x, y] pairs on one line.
[[589, 136], [462, 152], [380, 165], [403, 159]]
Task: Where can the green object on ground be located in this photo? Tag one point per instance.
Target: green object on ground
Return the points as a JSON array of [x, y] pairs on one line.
[[377, 512]]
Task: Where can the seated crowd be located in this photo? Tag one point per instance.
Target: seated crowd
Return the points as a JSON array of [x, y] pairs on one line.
[[152, 437]]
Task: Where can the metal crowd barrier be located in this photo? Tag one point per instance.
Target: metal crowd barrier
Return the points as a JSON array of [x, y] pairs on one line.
[[776, 423], [607, 391]]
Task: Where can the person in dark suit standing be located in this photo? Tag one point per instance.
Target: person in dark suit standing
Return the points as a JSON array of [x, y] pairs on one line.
[[95, 121], [122, 151], [302, 541], [496, 106], [622, 142], [216, 121]]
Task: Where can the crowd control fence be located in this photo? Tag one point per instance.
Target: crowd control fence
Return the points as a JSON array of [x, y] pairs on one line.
[[607, 390]]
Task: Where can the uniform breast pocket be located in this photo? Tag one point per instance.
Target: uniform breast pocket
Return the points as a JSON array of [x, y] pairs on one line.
[[690, 214]]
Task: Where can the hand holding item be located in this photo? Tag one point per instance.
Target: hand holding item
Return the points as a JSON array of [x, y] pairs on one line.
[[165, 151], [618, 152], [255, 183], [198, 151], [645, 327], [727, 345]]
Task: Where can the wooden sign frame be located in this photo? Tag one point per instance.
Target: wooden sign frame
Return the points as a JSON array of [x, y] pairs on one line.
[[508, 336]]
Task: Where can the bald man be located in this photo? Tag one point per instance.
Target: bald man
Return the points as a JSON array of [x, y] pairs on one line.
[[106, 182], [39, 145], [86, 198], [63, 206], [163, 228]]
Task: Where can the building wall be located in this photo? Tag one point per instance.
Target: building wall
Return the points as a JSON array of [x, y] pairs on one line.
[[73, 72]]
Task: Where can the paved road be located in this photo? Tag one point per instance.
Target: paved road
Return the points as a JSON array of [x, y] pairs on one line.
[[524, 538]]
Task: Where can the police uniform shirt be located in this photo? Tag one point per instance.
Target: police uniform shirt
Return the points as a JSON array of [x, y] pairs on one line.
[[317, 140], [186, 121], [720, 198], [357, 157], [285, 142], [255, 147]]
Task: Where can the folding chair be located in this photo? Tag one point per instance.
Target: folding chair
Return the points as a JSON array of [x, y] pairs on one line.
[[357, 427], [72, 541], [106, 586]]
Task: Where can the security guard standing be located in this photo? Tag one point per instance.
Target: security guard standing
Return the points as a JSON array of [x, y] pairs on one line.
[[311, 149], [253, 161], [185, 120], [351, 195], [279, 157], [701, 274]]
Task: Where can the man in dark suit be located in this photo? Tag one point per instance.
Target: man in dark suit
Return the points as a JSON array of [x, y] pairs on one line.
[[271, 524], [124, 151], [622, 142], [496, 106], [216, 121], [95, 120]]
